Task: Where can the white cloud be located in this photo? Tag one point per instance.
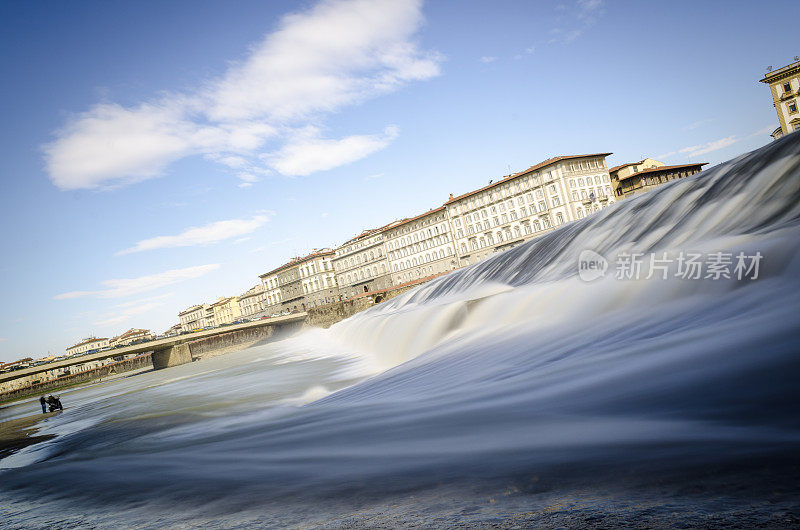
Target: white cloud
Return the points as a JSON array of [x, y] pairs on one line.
[[129, 286], [486, 59], [695, 125], [201, 235], [585, 14], [698, 150], [374, 176], [125, 311], [666, 155], [307, 153], [337, 53], [765, 130]]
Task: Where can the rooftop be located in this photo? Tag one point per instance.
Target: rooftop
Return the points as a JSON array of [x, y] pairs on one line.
[[781, 72], [665, 168], [297, 261], [548, 162], [410, 219]]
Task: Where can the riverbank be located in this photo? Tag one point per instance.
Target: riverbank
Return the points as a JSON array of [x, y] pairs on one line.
[[21, 432], [99, 377]]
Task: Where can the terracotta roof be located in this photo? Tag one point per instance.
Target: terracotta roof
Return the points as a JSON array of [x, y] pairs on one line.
[[297, 261], [616, 168], [131, 331], [664, 168], [222, 301], [372, 231], [409, 219], [86, 341], [548, 162]]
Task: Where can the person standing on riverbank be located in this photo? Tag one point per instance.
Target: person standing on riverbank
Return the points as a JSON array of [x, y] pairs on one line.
[[43, 402]]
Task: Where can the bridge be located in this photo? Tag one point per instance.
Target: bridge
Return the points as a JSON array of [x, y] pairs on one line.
[[169, 351]]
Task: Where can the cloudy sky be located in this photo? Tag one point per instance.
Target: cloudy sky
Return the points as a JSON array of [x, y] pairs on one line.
[[162, 154]]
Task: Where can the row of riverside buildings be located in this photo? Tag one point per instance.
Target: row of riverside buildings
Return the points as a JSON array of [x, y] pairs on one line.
[[464, 230]]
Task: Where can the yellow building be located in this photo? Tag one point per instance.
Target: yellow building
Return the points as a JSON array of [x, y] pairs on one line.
[[640, 177], [226, 310], [619, 173], [784, 83]]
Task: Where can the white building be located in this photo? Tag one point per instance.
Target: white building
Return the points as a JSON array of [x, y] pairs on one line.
[[192, 318], [318, 278], [131, 336], [86, 345], [272, 290], [252, 301], [420, 247], [524, 205], [361, 263]]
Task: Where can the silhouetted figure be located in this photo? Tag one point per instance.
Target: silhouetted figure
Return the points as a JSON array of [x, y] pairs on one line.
[[43, 402], [54, 403]]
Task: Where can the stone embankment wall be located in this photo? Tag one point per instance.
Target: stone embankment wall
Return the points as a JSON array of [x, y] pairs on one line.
[[329, 314], [134, 363], [229, 342]]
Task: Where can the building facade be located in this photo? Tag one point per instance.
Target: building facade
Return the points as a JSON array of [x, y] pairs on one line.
[[272, 292], [291, 288], [630, 183], [226, 310], [784, 83], [361, 264], [524, 205], [131, 336], [420, 247], [625, 170], [318, 278], [252, 301], [88, 344], [192, 318]]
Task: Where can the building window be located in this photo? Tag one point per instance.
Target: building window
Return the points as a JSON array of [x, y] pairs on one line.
[[787, 87], [792, 105]]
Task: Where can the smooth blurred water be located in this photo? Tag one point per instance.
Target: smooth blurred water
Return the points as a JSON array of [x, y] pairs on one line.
[[510, 369]]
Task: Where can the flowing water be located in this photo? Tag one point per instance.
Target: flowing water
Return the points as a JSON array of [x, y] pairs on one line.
[[511, 392]]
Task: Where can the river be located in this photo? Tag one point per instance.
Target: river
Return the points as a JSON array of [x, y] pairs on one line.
[[512, 392]]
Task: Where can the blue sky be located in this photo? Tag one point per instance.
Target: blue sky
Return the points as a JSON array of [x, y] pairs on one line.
[[161, 154]]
